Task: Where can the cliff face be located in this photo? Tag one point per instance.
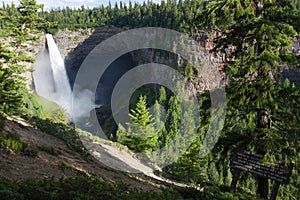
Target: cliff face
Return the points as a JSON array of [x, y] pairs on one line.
[[76, 45]]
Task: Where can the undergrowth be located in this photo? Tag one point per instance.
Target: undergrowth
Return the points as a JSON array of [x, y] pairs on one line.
[[80, 187], [12, 142], [62, 131]]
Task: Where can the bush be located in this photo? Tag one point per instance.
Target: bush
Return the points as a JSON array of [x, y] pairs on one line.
[[214, 192], [62, 131], [31, 152], [80, 187], [50, 150], [40, 107], [12, 141]]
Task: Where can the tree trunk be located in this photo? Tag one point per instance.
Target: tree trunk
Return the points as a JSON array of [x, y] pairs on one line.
[[263, 187], [262, 183]]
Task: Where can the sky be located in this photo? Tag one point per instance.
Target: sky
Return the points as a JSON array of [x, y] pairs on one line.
[[75, 3]]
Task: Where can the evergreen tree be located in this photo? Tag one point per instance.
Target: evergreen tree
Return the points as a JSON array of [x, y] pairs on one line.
[[18, 24], [262, 113], [173, 120], [29, 17], [162, 96], [140, 115], [140, 135], [12, 86]]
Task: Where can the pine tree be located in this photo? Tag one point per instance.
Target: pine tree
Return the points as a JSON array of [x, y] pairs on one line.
[[140, 115], [162, 96], [29, 17], [140, 135], [262, 114], [173, 120], [12, 86], [15, 22]]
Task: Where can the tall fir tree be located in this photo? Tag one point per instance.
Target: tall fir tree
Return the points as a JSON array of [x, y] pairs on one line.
[[13, 52], [140, 135], [262, 113]]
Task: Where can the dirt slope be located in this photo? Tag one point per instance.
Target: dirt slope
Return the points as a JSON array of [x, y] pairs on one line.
[[45, 165]]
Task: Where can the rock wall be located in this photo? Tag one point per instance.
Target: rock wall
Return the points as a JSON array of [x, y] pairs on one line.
[[68, 40], [76, 45]]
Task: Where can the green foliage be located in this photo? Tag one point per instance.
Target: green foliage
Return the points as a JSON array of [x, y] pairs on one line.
[[33, 107], [42, 108], [30, 151], [214, 192], [62, 165], [162, 96], [170, 14], [2, 121], [80, 187], [29, 17], [12, 141], [173, 120], [51, 150], [261, 35], [17, 27], [256, 37], [140, 135], [62, 131], [144, 91], [12, 86], [140, 115]]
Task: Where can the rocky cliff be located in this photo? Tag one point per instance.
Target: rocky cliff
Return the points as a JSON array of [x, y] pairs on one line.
[[76, 45]]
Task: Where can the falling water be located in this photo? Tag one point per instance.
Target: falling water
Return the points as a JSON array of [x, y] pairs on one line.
[[50, 76], [62, 85]]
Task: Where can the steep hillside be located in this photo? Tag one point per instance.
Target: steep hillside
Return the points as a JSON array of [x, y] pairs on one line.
[[48, 156]]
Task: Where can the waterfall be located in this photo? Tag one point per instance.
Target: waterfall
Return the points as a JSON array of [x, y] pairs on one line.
[[50, 76]]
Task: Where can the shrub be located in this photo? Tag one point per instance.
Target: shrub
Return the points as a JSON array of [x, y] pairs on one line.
[[80, 187], [31, 152], [62, 131], [50, 150], [12, 141]]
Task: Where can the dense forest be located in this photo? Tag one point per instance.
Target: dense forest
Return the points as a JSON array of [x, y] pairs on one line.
[[262, 109], [181, 15]]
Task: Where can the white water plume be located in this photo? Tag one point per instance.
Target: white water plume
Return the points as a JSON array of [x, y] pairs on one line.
[[50, 76]]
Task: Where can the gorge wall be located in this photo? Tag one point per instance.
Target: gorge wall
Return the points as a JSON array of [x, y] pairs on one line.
[[76, 45]]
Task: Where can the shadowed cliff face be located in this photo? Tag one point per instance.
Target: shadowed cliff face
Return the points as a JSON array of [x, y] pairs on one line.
[[87, 42]]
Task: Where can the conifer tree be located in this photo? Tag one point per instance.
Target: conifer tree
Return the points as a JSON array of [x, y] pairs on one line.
[[173, 120], [140, 115], [140, 135], [262, 113], [162, 96], [15, 22]]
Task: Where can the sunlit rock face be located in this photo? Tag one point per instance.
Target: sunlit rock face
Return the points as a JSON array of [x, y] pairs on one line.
[[76, 45]]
